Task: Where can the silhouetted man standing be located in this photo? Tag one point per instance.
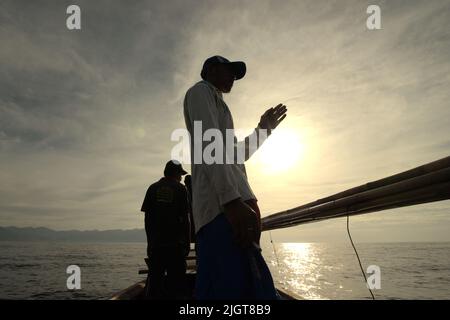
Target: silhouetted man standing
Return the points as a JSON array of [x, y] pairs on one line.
[[167, 228], [225, 210]]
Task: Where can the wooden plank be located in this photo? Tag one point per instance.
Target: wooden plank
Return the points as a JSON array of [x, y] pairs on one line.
[[286, 294], [130, 293]]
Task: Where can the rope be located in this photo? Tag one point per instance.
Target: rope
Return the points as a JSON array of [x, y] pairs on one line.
[[274, 251], [357, 255]]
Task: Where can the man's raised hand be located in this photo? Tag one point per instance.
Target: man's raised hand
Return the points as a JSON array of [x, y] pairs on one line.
[[273, 117]]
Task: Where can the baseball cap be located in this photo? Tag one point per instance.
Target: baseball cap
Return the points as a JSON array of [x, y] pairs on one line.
[[239, 67], [174, 167]]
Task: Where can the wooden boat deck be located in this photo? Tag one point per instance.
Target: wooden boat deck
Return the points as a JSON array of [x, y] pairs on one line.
[[136, 291]]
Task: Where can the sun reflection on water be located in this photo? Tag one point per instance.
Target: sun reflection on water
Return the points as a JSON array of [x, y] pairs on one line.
[[300, 269]]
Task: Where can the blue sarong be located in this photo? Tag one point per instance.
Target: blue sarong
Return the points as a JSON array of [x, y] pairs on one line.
[[226, 271]]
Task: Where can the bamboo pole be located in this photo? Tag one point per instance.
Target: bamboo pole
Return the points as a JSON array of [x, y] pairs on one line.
[[423, 184], [338, 212], [414, 197], [421, 170], [410, 184]]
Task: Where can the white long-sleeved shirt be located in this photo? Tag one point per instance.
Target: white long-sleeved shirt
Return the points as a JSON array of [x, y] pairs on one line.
[[213, 185]]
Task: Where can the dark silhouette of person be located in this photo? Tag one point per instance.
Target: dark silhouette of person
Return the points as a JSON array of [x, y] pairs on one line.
[[225, 209], [166, 210]]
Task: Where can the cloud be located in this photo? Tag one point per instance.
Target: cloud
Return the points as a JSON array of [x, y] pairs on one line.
[[86, 116]]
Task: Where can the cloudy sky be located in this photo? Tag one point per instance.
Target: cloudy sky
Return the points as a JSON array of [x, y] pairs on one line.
[[86, 115]]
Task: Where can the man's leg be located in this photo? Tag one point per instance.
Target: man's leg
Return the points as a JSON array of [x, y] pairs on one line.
[[156, 274], [226, 271], [263, 286], [223, 270], [147, 232], [176, 273]]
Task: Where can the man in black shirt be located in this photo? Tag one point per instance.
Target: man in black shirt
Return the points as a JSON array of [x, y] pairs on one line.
[[167, 227]]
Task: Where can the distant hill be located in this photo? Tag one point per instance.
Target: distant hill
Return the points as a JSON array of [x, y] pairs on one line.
[[45, 234]]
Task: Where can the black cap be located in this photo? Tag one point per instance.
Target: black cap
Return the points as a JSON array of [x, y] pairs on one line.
[[173, 167], [238, 67]]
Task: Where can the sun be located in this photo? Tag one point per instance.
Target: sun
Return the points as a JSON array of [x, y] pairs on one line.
[[281, 151]]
